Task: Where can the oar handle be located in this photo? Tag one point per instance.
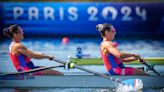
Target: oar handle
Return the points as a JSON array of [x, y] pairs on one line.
[[150, 67]]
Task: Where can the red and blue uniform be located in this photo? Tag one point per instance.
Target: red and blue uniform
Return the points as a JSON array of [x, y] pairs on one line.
[[21, 62], [114, 65]]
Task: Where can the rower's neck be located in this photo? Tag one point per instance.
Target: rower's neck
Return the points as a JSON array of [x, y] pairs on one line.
[[14, 40], [105, 39]]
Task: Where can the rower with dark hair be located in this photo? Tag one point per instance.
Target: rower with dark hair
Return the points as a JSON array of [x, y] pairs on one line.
[[113, 59], [20, 55]]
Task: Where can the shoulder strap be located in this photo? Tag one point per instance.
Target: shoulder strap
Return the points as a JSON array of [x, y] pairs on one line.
[[10, 47]]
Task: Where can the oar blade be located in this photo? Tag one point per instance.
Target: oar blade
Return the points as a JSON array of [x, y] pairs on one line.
[[130, 85]]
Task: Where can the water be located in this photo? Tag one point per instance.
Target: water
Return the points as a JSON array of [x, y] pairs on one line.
[[54, 47], [71, 90]]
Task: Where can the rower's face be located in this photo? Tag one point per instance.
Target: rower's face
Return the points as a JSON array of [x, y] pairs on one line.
[[111, 34], [19, 35]]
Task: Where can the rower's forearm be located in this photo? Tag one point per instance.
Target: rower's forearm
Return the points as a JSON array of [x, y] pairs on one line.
[[125, 55], [39, 56], [130, 59]]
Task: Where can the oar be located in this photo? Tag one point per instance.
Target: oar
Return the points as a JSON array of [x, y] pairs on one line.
[[150, 67], [30, 71], [73, 65]]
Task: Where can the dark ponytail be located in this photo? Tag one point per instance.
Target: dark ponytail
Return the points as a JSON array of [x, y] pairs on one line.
[[9, 31], [102, 28], [6, 32]]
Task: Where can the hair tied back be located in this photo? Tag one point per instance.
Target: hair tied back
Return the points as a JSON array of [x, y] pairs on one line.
[[6, 32], [99, 27]]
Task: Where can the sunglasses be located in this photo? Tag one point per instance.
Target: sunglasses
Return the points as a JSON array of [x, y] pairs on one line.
[[20, 30]]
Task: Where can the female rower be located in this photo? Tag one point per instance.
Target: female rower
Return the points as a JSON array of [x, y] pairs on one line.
[[20, 55], [113, 59]]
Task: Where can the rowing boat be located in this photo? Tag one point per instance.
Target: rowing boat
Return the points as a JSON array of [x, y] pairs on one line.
[[98, 61], [27, 80], [74, 81]]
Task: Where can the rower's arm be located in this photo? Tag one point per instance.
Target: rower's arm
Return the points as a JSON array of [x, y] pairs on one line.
[[129, 59], [124, 56], [23, 50]]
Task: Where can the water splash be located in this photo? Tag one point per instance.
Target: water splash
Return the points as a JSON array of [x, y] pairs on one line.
[[135, 85]]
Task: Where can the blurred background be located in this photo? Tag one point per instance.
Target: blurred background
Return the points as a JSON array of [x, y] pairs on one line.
[[59, 27], [78, 18]]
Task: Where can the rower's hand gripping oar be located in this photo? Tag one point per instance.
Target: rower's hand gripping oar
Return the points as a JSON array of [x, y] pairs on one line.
[[128, 83], [150, 67]]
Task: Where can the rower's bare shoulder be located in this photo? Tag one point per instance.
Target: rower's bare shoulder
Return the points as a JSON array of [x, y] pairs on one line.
[[19, 46], [107, 43]]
